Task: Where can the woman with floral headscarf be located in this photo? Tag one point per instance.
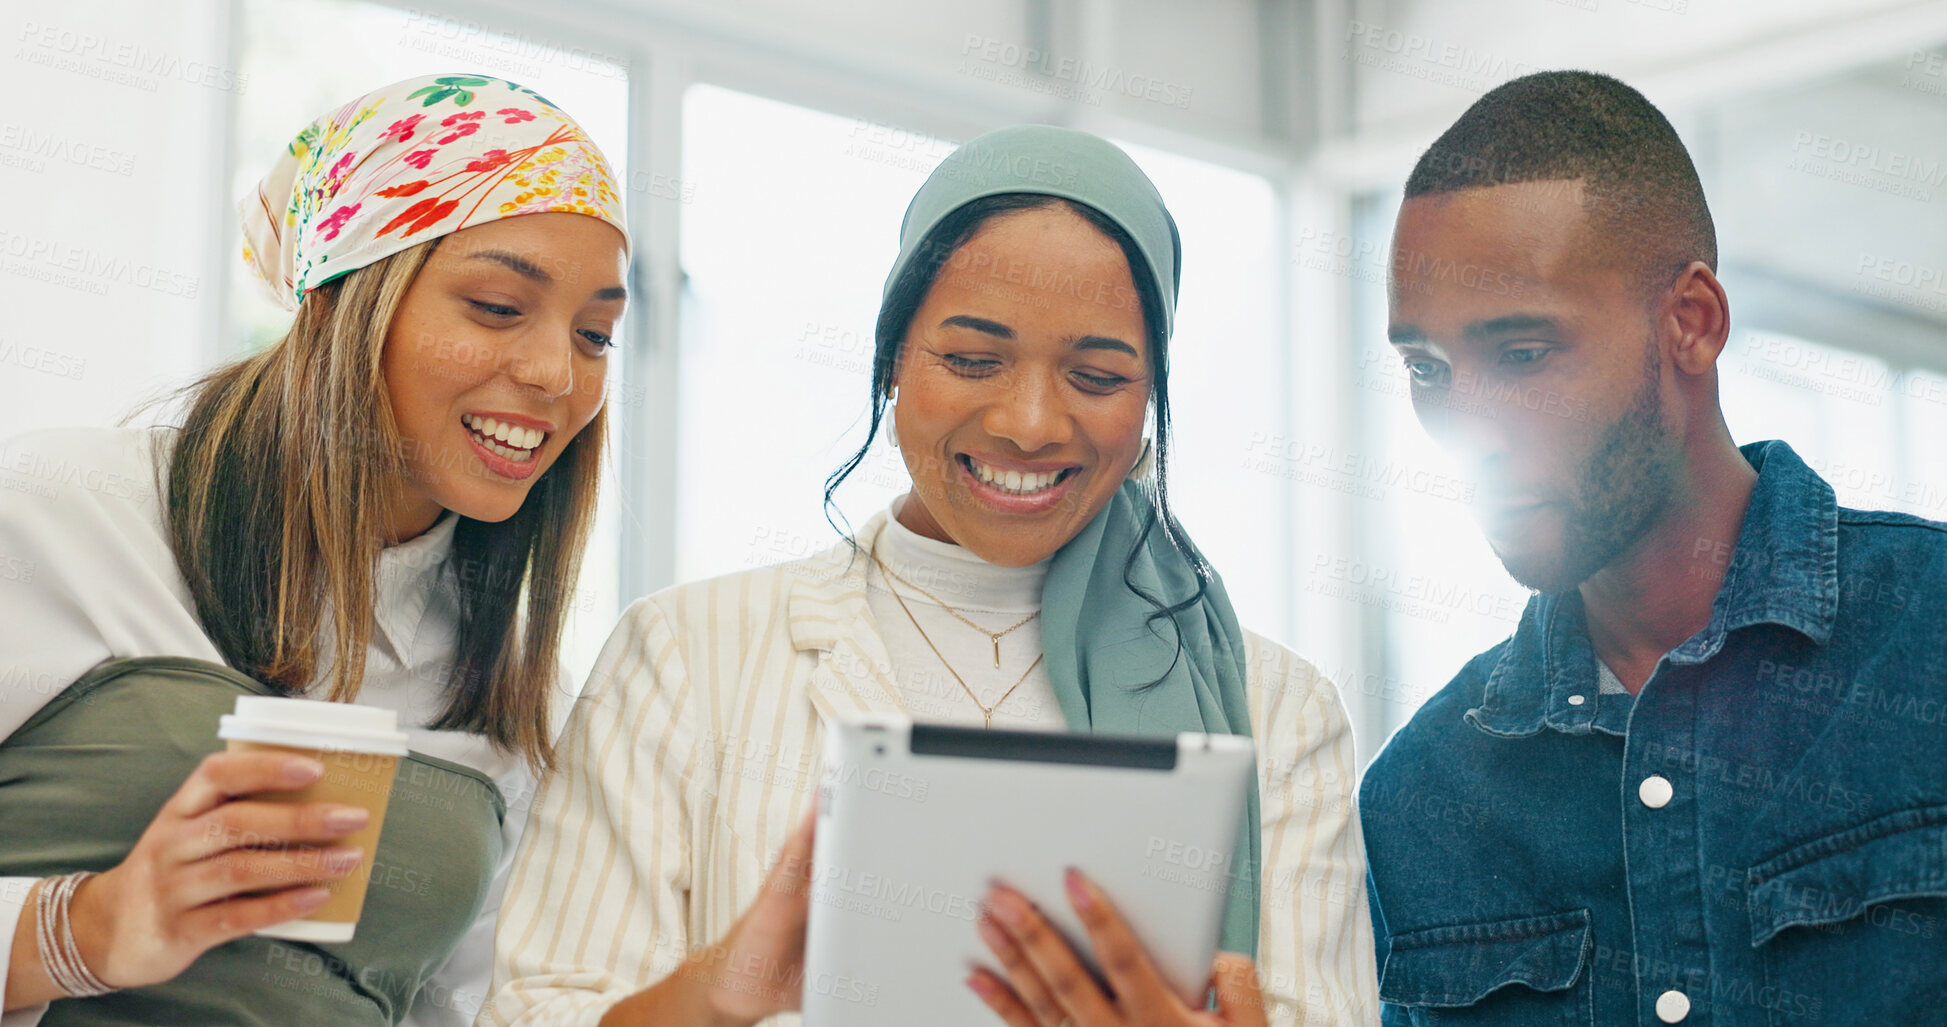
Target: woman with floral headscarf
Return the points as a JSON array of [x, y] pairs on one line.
[[387, 506]]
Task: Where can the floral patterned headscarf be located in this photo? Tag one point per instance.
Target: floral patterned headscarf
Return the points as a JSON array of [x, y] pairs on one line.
[[414, 161]]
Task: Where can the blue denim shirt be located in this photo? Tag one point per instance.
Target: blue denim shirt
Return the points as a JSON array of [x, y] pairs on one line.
[[1759, 837]]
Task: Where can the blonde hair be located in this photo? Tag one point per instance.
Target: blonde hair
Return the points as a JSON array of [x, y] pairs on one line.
[[285, 469]]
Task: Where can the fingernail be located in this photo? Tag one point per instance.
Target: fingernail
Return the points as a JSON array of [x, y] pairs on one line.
[[1010, 908], [302, 771], [991, 933], [347, 818], [980, 986], [343, 859], [310, 898], [1077, 890]]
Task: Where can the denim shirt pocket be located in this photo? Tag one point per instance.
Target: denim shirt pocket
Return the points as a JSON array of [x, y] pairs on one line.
[[1519, 972], [1874, 895]]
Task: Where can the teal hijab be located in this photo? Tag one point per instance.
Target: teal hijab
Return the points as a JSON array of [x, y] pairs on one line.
[[1116, 669]]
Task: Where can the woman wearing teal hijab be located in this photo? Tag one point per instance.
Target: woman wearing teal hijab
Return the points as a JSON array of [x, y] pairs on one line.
[[1033, 577]]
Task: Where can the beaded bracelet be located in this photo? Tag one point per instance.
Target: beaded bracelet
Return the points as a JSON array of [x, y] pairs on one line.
[[55, 934]]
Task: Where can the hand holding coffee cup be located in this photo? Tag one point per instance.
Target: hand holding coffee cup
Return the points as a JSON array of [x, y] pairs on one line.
[[201, 873], [360, 747]]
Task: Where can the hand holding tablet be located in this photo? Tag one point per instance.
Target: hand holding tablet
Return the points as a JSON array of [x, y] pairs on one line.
[[1047, 984], [755, 971], [918, 823], [941, 886]]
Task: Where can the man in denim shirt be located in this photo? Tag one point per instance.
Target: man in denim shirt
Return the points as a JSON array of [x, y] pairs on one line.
[[1705, 782]]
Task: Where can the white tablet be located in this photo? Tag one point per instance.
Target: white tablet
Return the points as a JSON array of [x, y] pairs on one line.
[[914, 820]]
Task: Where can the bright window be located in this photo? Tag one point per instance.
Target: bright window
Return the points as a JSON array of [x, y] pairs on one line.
[[1867, 427]]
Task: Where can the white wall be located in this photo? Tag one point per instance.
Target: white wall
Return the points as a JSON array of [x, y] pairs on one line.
[[111, 158]]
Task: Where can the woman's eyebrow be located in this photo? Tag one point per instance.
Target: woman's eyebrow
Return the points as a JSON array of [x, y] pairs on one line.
[[1104, 342], [516, 263], [978, 324], [533, 272]]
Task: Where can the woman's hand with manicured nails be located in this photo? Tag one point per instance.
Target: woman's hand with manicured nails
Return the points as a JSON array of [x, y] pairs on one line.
[[1046, 984], [755, 971], [210, 868]]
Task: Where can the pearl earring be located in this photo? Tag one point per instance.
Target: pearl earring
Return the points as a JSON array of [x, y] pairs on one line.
[[892, 410]]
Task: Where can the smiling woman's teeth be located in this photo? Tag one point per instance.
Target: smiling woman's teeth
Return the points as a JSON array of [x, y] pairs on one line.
[[1017, 482], [506, 440]]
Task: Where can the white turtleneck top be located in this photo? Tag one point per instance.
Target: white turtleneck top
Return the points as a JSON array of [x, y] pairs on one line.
[[938, 575]]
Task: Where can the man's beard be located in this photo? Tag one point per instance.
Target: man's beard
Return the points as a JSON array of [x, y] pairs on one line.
[[1619, 491]]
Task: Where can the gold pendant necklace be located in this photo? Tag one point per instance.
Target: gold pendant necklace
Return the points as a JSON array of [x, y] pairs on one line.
[[986, 712], [993, 636]]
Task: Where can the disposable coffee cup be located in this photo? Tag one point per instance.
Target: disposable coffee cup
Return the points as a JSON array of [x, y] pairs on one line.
[[360, 747]]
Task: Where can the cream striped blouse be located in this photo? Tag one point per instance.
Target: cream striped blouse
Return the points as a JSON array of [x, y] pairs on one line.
[[695, 747]]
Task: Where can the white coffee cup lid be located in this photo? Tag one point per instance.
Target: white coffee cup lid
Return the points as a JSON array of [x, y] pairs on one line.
[[310, 724]]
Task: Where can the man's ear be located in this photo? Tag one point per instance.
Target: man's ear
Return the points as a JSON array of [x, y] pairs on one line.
[[1696, 319]]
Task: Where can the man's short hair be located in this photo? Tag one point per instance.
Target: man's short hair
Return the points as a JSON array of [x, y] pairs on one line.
[[1640, 188]]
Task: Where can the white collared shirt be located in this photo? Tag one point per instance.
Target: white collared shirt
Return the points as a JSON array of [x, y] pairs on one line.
[[86, 575]]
